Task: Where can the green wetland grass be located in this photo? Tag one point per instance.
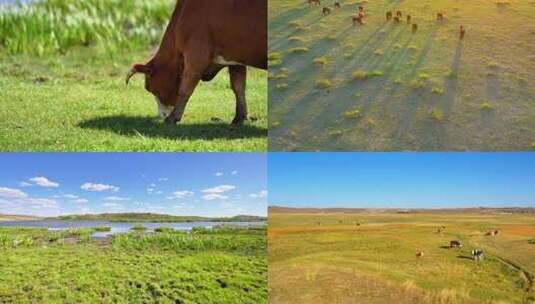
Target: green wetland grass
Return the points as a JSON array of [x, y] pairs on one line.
[[371, 257], [223, 265], [62, 71], [479, 85]]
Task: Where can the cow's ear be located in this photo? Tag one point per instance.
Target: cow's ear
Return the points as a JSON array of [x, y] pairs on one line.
[[142, 68]]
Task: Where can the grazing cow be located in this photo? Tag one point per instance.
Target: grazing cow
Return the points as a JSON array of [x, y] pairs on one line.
[[358, 19], [314, 2], [326, 11], [337, 5], [399, 14], [414, 27], [493, 233], [409, 17], [440, 16], [388, 15], [455, 244], [419, 254], [477, 254], [203, 37], [462, 31], [397, 20]]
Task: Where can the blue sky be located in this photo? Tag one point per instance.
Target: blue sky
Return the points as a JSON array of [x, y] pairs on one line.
[[401, 180], [209, 184]]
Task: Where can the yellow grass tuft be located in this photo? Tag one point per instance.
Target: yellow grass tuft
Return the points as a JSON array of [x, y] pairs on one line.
[[323, 84], [352, 114], [298, 50], [486, 106], [436, 115], [360, 75], [320, 61], [282, 86]]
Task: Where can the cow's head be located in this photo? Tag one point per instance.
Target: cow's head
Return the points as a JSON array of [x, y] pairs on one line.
[[163, 81]]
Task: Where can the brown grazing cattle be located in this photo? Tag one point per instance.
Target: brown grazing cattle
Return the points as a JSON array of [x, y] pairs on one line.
[[314, 2], [388, 15], [399, 14], [409, 19], [396, 19], [414, 27], [358, 19], [440, 16], [326, 11], [462, 32], [419, 254], [455, 244], [337, 5], [203, 37], [493, 233]]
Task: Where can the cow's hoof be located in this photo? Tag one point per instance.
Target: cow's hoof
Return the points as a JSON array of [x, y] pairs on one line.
[[238, 121], [170, 121]]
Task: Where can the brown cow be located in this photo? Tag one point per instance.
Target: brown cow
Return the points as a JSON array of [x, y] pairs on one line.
[[203, 37], [326, 11], [358, 19], [455, 244], [462, 32], [388, 15], [440, 16], [314, 2], [337, 5], [419, 254], [399, 14], [414, 28], [409, 17]]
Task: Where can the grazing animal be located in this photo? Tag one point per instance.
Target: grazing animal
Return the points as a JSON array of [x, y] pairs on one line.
[[397, 20], [314, 2], [462, 32], [440, 16], [414, 27], [477, 254], [409, 17], [419, 254], [337, 5], [202, 38], [326, 11], [399, 14], [388, 15], [455, 244], [493, 233], [358, 19]]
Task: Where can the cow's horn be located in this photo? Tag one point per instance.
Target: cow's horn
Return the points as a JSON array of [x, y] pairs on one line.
[[131, 73]]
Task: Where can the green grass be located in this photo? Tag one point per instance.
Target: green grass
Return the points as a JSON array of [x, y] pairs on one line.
[[227, 266], [67, 93], [375, 262], [415, 72]]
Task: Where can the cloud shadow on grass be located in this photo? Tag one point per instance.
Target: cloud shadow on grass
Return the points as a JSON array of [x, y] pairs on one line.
[[155, 128]]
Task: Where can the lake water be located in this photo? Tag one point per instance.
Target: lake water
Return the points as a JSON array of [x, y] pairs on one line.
[[117, 227]]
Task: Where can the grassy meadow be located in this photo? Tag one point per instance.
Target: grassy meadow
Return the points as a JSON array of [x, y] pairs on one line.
[[370, 257], [223, 265], [62, 69], [378, 86]]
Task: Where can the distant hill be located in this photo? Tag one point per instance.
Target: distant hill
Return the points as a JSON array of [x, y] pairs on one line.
[[504, 210], [153, 217], [5, 218]]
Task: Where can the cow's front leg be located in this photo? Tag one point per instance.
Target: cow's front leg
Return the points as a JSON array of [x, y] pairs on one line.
[[238, 76], [193, 70]]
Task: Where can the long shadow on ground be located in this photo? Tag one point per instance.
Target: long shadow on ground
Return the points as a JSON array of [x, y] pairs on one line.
[[153, 127]]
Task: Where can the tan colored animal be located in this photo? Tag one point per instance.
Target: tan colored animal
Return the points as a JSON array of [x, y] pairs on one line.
[[409, 17], [388, 15], [314, 2], [414, 28], [493, 233], [337, 5], [462, 32], [440, 16], [419, 254], [326, 11]]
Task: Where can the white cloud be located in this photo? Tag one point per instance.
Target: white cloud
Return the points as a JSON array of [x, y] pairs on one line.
[[116, 206], [25, 184], [116, 198], [99, 187], [234, 172], [219, 189], [214, 196], [218, 174], [261, 194], [80, 201], [150, 190], [181, 194], [12, 193], [71, 196], [43, 182]]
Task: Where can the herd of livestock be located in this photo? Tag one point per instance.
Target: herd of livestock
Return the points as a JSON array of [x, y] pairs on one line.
[[358, 19]]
